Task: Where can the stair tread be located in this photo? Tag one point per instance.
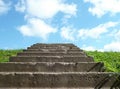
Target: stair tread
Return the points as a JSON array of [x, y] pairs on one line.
[[65, 73], [50, 66], [50, 62], [57, 79]]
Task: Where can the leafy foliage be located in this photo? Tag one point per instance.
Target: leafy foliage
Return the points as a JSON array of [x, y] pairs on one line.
[[5, 54], [111, 60]]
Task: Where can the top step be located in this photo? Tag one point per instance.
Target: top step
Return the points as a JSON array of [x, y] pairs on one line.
[[57, 44], [55, 47]]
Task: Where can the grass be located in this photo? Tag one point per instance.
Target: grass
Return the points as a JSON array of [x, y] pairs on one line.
[[5, 54], [111, 60]]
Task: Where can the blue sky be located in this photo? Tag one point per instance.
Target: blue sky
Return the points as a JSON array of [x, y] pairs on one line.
[[89, 24]]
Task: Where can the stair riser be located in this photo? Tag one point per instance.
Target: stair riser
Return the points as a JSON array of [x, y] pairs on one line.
[[51, 54], [53, 88], [51, 67], [67, 48], [45, 50], [94, 80], [54, 45], [51, 59]]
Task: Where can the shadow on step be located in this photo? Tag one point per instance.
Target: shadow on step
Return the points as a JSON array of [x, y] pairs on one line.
[[116, 84], [99, 66]]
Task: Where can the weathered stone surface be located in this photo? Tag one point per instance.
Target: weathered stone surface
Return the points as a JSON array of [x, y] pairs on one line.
[[52, 50], [55, 66], [51, 53], [54, 88], [51, 59], [52, 45], [60, 79], [63, 47], [51, 67]]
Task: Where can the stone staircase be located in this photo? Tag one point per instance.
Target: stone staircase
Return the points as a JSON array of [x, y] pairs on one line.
[[55, 66]]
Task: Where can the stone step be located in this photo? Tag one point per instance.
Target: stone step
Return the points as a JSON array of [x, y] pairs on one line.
[[58, 88], [51, 47], [67, 48], [51, 50], [51, 59], [96, 80], [54, 88], [51, 67], [47, 52], [50, 54], [57, 44], [54, 47]]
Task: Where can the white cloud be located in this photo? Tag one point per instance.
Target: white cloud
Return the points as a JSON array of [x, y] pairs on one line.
[[91, 48], [67, 33], [102, 7], [36, 27], [20, 6], [88, 48], [4, 7], [69, 9], [45, 9], [117, 35], [96, 32], [113, 46], [42, 10]]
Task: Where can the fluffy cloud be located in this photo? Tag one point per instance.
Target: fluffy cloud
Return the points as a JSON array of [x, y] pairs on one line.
[[89, 48], [67, 33], [68, 9], [4, 7], [45, 8], [117, 35], [102, 7], [20, 6], [96, 32], [42, 10], [36, 27], [113, 46], [70, 33]]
